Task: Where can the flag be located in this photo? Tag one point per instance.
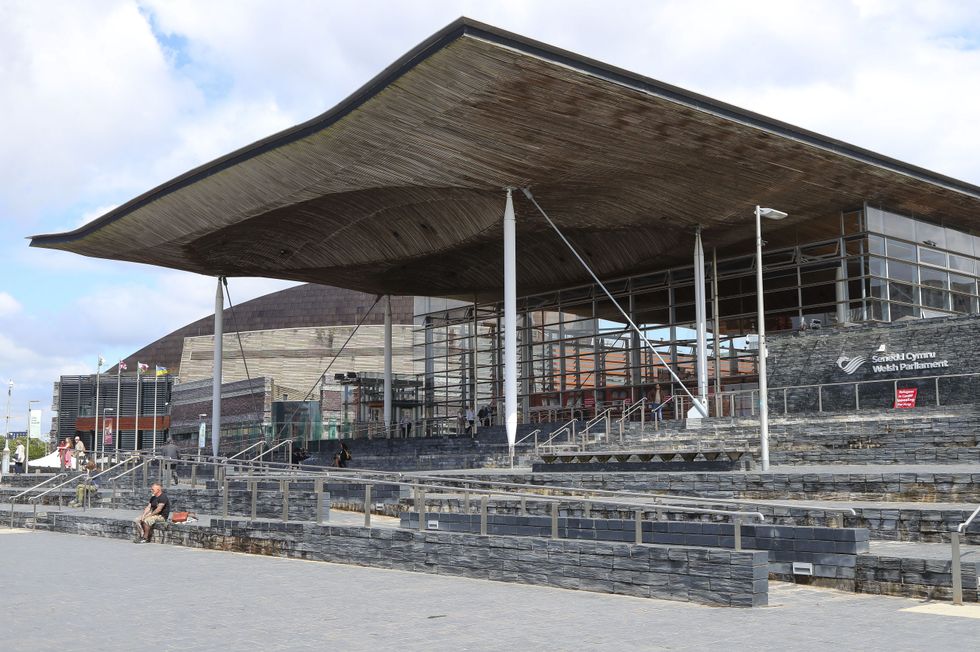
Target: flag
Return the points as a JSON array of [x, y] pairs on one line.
[[122, 365], [142, 367], [162, 371]]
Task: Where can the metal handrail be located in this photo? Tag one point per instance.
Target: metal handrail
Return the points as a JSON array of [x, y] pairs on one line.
[[13, 500], [568, 427], [80, 477], [730, 395], [965, 524], [955, 560], [287, 443], [245, 450], [533, 433], [628, 412], [656, 496], [37, 486], [605, 415]]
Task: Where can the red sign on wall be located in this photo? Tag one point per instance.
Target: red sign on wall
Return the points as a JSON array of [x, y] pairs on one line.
[[905, 397]]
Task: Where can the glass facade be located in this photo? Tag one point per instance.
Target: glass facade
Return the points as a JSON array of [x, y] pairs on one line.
[[578, 355]]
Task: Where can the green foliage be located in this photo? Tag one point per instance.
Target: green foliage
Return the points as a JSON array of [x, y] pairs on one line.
[[38, 448]]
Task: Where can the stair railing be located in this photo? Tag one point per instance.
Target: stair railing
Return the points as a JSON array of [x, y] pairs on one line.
[[567, 428], [603, 417], [628, 412], [13, 500], [956, 569]]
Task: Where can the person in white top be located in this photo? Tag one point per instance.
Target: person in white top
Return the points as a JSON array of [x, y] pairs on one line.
[[19, 456], [470, 418]]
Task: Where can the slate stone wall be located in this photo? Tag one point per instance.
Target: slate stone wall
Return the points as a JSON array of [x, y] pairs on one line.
[[912, 486], [714, 577], [914, 578], [832, 551], [812, 358]]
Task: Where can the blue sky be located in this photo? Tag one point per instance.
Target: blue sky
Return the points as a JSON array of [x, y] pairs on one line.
[[105, 99]]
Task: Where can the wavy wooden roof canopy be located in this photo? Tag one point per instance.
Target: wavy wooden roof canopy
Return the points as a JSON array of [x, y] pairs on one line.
[[399, 189]]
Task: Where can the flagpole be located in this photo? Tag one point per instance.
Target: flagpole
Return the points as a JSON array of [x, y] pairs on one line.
[[156, 377], [118, 407], [136, 428], [95, 435]]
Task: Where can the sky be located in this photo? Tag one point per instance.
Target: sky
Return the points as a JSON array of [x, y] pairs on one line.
[[103, 100]]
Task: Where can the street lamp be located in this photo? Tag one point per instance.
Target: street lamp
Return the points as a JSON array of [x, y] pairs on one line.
[[27, 451], [771, 214]]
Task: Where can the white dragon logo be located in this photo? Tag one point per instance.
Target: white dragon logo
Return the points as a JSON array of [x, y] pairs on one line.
[[850, 365]]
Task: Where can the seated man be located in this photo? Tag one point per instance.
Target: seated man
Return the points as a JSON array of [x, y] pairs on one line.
[[86, 485], [156, 511]]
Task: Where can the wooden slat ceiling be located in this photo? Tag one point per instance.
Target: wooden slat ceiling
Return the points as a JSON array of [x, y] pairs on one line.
[[400, 188]]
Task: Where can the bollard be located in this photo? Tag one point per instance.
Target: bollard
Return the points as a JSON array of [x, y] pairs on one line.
[[318, 490], [554, 520], [254, 486], [639, 527], [738, 534], [483, 515], [956, 570], [224, 499], [284, 484], [367, 505], [34, 522], [422, 510]]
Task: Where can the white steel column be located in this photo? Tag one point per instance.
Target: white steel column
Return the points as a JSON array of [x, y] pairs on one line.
[[219, 307], [700, 316], [387, 399], [510, 321], [98, 434], [840, 295], [716, 325], [761, 326]]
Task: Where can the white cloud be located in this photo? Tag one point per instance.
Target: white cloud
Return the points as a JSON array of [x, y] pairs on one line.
[[8, 305], [104, 99]]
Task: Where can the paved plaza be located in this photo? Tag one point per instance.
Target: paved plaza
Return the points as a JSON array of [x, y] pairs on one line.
[[90, 593]]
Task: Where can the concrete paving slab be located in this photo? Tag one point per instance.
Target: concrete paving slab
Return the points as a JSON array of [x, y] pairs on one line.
[[115, 596]]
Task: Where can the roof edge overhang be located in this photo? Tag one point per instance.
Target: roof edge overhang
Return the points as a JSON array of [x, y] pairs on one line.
[[466, 27]]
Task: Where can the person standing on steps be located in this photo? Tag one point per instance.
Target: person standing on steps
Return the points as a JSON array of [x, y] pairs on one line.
[[343, 456], [172, 454], [19, 459]]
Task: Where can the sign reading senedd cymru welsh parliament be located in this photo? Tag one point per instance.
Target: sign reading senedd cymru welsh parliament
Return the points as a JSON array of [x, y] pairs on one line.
[[884, 363]]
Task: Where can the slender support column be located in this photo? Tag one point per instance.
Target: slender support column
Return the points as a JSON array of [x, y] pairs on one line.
[[219, 306], [510, 321], [98, 433], [475, 361], [156, 384], [763, 379], [700, 316], [387, 398], [117, 431], [840, 294], [716, 324]]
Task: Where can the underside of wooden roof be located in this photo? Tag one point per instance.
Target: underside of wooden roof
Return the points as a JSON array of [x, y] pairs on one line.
[[400, 188]]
